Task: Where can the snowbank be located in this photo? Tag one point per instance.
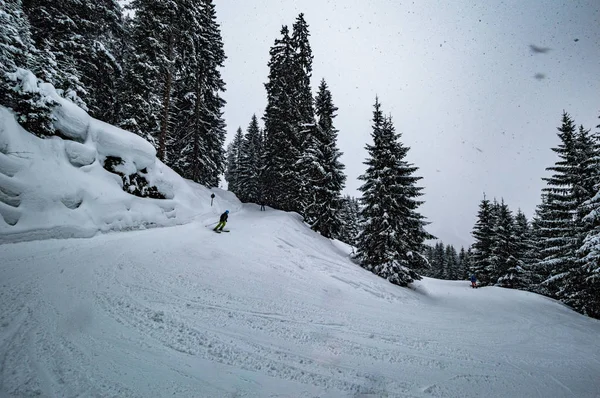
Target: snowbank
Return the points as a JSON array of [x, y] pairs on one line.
[[58, 188]]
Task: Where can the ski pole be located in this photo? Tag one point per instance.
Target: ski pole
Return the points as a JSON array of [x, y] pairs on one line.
[[211, 224]]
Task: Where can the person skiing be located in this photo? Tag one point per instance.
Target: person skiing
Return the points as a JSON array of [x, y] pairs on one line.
[[473, 281], [222, 221]]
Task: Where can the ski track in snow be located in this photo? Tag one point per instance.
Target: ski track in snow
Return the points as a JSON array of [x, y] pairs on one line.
[[269, 310]]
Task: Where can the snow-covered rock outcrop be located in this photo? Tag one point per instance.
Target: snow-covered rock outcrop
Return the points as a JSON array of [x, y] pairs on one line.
[[60, 186]]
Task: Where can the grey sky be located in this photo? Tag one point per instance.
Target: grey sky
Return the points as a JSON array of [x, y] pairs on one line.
[[458, 77]]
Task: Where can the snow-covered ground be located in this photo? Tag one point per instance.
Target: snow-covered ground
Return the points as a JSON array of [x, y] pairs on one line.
[[269, 310]]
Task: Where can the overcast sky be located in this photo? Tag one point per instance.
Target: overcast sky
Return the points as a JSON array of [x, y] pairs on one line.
[[478, 108]]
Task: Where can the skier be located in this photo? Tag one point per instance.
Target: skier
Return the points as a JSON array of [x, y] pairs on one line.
[[473, 281], [222, 222]]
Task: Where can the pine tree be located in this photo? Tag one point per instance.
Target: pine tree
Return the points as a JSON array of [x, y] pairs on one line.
[[18, 89], [350, 217], [60, 41], [250, 164], [506, 268], [518, 275], [482, 248], [308, 138], [558, 226], [324, 170], [451, 266], [148, 67], [583, 285], [463, 264], [438, 261], [281, 181], [76, 43], [232, 174], [393, 233]]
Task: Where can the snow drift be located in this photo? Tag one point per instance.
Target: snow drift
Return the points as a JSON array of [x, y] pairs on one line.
[[60, 187]]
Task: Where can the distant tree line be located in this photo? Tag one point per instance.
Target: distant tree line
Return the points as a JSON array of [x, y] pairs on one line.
[[557, 253]]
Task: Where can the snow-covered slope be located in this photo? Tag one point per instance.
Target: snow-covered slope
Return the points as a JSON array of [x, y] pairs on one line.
[[58, 187], [269, 310]]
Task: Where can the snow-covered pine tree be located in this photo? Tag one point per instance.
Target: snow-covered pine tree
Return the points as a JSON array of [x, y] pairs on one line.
[[558, 223], [350, 216], [250, 164], [451, 266], [59, 41], [393, 231], [17, 50], [210, 122], [76, 40], [463, 264], [150, 61], [520, 275], [232, 173], [438, 261], [505, 268], [484, 239], [305, 118], [582, 290], [324, 170], [198, 128], [281, 182]]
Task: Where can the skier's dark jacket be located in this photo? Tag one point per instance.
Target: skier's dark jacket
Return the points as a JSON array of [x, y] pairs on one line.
[[223, 217]]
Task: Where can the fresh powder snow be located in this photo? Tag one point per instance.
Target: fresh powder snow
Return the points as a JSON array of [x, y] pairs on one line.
[[271, 309]]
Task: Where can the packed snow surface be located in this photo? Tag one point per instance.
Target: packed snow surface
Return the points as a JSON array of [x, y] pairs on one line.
[[269, 310]]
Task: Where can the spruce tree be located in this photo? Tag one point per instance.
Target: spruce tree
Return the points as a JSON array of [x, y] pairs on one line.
[[558, 227], [482, 248], [350, 217], [438, 261], [150, 61], [519, 275], [18, 90], [463, 264], [393, 232], [506, 268], [324, 170], [250, 164], [232, 174], [308, 138], [582, 290], [76, 40], [451, 263], [281, 181]]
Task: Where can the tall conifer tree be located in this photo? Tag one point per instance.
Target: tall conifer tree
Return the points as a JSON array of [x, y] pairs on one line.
[[393, 235]]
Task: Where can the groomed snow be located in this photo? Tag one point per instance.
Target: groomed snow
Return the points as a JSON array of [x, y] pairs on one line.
[[269, 310]]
